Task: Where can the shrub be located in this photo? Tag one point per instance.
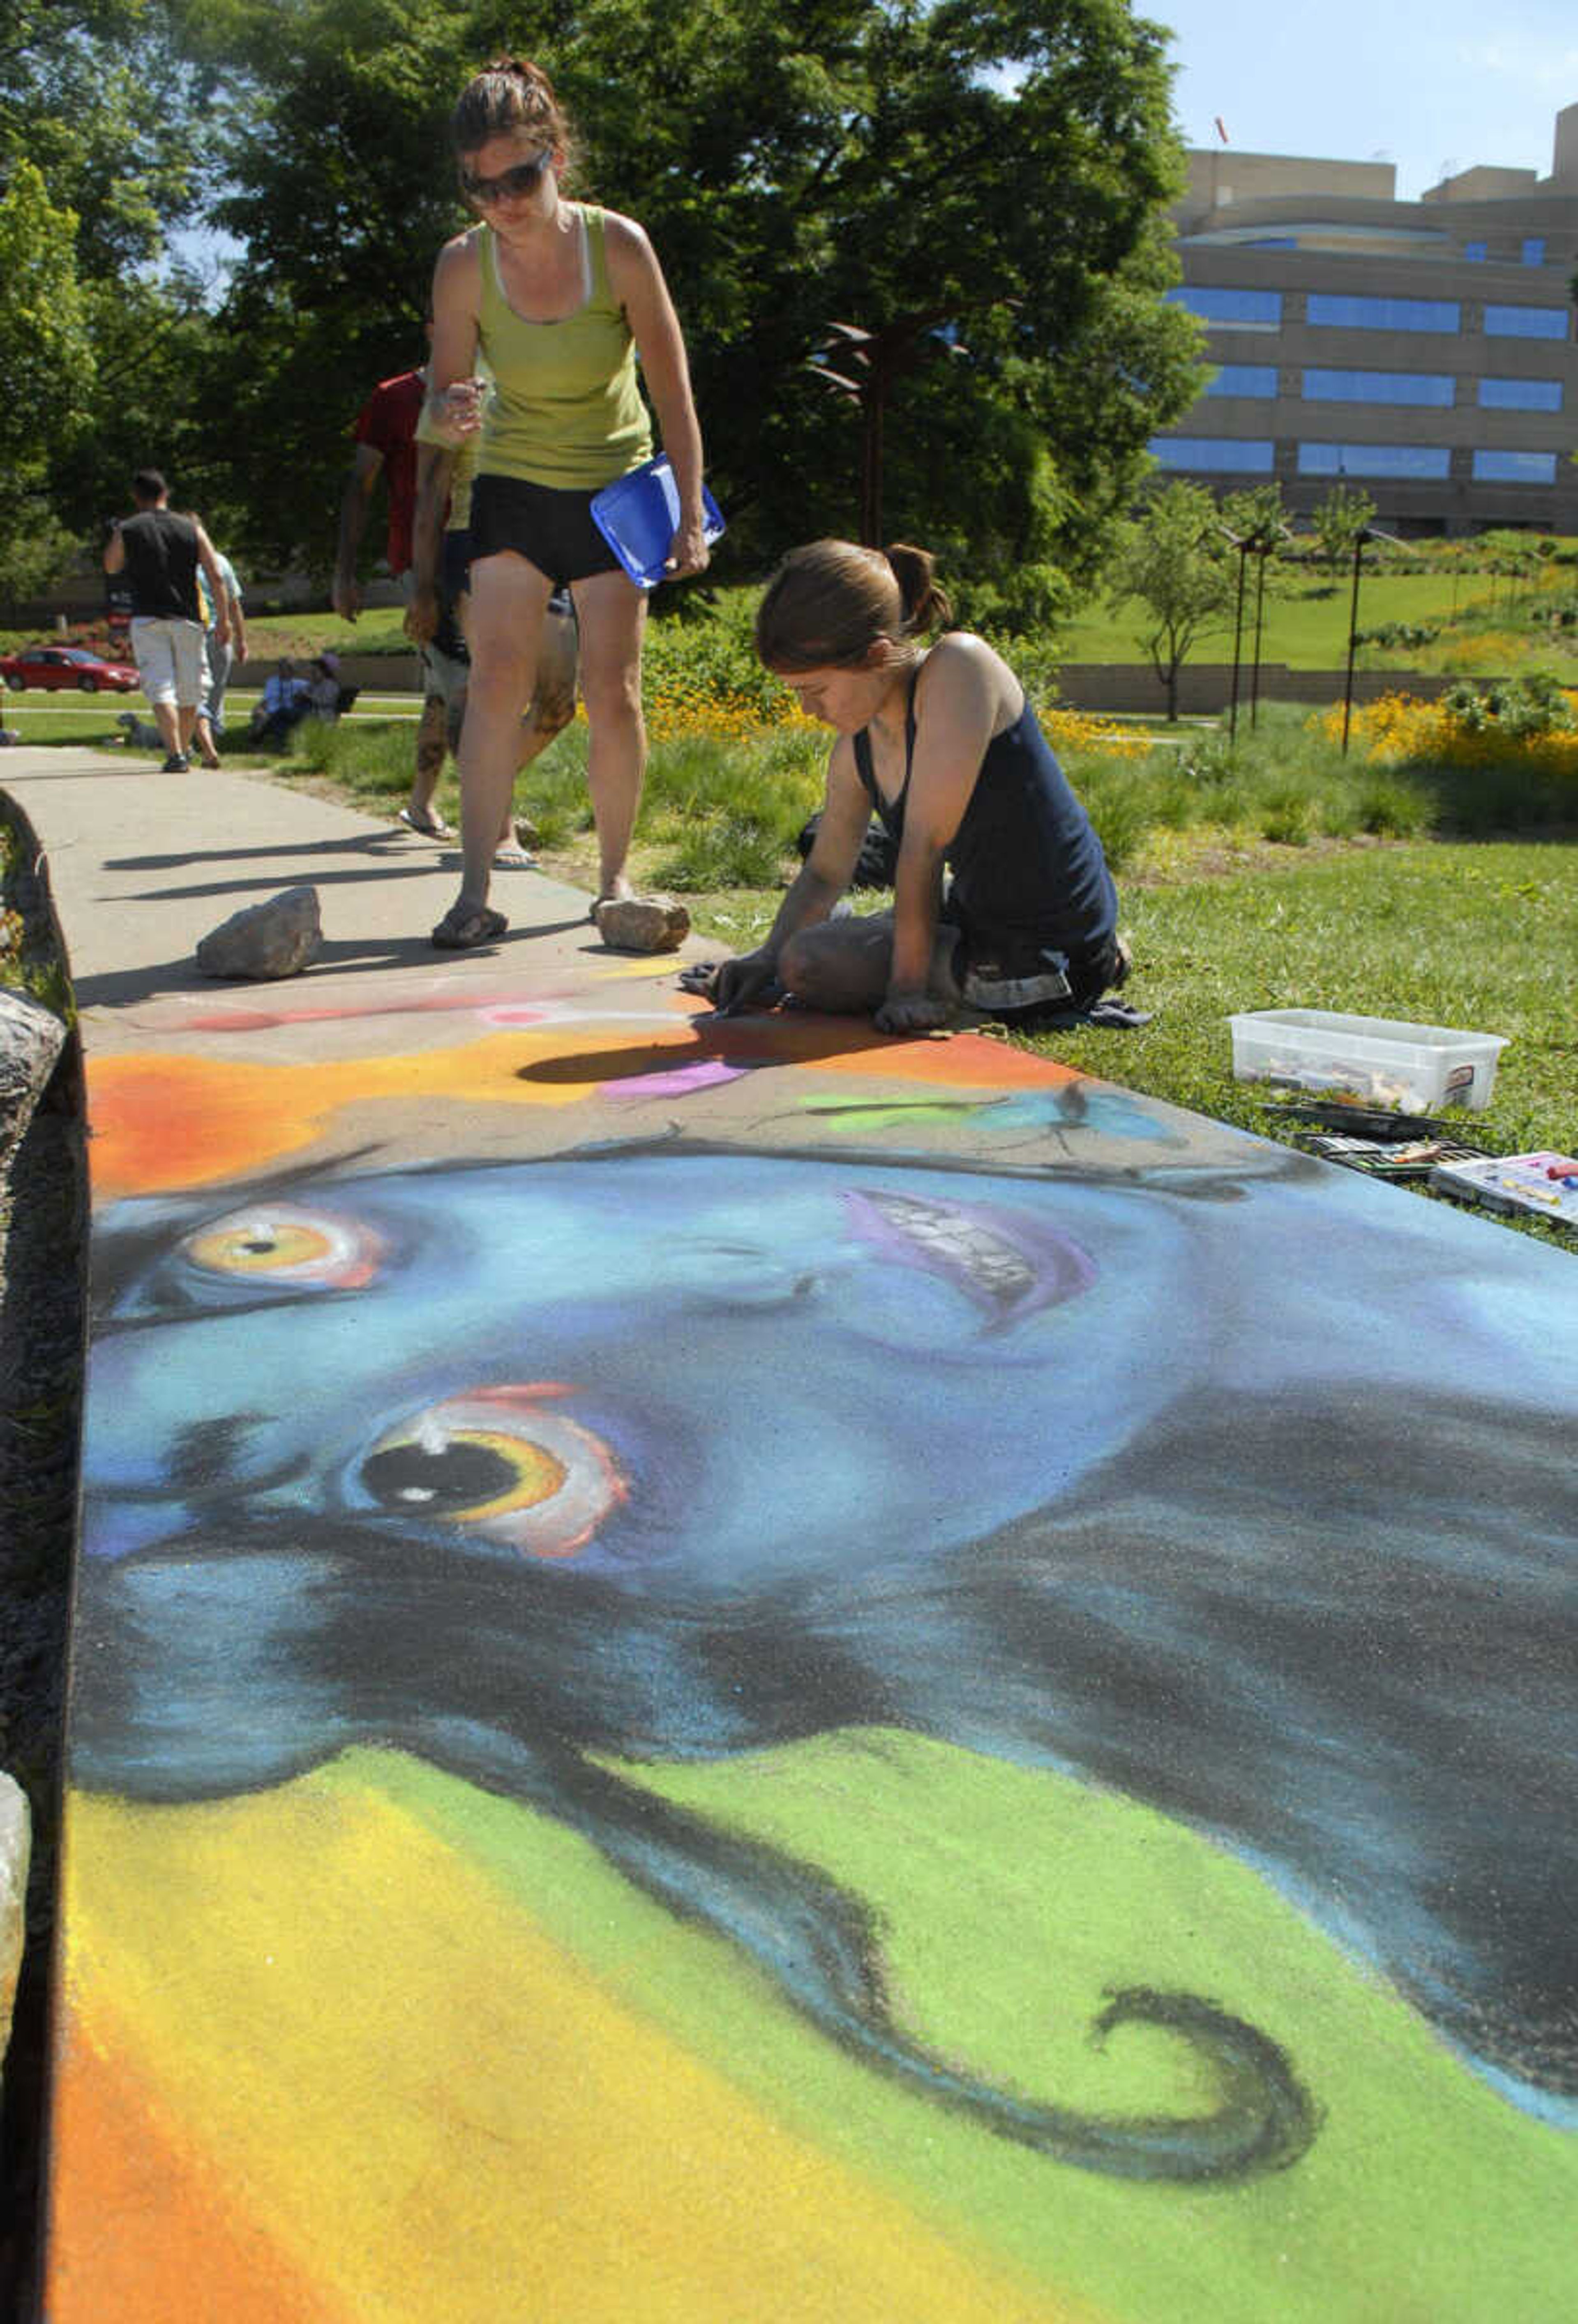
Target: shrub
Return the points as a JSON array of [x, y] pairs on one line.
[[1399, 634], [1517, 707], [732, 851], [1287, 817], [1391, 807]]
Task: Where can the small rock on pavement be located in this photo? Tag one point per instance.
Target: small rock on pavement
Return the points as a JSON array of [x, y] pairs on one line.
[[277, 937], [643, 924], [14, 1829]]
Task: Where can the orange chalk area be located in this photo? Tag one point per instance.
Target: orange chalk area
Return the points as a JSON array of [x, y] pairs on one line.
[[161, 1122], [157, 2239]]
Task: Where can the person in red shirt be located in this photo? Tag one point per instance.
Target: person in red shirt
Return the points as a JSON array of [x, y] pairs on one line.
[[385, 436]]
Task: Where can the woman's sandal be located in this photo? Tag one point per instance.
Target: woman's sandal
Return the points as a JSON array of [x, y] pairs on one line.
[[463, 928], [514, 859], [433, 827]]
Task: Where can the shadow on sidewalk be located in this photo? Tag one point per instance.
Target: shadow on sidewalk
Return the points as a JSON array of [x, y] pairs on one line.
[[123, 988], [419, 855]]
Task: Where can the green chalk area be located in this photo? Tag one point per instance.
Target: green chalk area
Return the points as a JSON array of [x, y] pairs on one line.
[[1010, 1905]]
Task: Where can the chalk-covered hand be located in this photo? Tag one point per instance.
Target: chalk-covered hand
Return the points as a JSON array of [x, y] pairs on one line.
[[741, 981], [912, 1012]]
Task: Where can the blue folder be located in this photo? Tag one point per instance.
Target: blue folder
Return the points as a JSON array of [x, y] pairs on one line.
[[636, 517]]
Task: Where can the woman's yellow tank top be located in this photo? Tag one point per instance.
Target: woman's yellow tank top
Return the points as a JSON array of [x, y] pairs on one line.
[[566, 408]]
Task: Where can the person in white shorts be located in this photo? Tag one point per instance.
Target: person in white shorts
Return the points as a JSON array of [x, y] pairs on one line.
[[160, 553]]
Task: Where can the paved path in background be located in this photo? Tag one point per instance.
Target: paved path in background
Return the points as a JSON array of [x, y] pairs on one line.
[[744, 1670]]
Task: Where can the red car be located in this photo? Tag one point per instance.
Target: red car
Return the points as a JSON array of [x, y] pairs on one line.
[[58, 666]]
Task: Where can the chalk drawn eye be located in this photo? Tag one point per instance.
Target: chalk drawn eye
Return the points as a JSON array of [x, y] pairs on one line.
[[499, 1462], [287, 1244]]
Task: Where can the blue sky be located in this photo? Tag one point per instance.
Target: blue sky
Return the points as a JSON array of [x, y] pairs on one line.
[[1433, 86]]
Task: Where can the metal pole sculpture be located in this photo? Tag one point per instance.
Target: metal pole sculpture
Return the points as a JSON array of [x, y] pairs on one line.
[[1366, 532], [1358, 540], [1242, 545]]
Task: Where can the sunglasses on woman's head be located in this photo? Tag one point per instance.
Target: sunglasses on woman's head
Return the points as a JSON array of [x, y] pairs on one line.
[[520, 180]]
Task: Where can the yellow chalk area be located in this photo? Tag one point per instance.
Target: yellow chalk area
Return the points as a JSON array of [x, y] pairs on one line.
[[664, 963], [354, 2079]]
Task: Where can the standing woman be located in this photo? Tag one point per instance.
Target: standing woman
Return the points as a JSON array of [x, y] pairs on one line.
[[559, 298]]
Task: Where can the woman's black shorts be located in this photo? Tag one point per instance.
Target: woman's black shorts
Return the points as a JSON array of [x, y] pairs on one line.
[[554, 531]]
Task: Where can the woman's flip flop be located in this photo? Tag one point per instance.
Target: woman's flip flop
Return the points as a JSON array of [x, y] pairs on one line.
[[462, 930], [435, 827]]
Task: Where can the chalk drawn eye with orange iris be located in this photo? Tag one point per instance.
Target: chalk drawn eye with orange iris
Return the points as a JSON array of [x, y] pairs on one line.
[[286, 1246], [497, 1464]]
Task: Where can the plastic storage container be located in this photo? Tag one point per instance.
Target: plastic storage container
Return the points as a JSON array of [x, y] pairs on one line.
[[1380, 1059], [636, 517]]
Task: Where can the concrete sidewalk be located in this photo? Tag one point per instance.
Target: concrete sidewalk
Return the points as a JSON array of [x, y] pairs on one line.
[[144, 864], [742, 1671]]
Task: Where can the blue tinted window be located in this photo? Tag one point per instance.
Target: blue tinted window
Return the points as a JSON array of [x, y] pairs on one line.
[[1244, 379], [1242, 456], [1434, 387], [1473, 250], [1352, 313], [1245, 311], [1527, 322], [1515, 467], [1374, 460], [1521, 394], [1533, 250]]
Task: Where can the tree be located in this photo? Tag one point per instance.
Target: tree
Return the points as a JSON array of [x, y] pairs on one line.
[[1174, 558], [1337, 520], [987, 173], [49, 374], [93, 179]]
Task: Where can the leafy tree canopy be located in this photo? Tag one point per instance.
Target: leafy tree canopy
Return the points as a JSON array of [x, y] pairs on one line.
[[50, 370], [978, 186], [987, 175]]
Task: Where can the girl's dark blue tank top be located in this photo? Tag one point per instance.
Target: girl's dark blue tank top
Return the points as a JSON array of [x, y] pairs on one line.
[[1026, 861]]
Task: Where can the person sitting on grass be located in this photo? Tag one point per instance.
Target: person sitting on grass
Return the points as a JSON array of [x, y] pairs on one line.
[[941, 741], [285, 702]]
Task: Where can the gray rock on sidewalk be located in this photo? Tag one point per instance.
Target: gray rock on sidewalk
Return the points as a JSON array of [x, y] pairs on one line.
[[274, 938], [14, 1835], [643, 924]]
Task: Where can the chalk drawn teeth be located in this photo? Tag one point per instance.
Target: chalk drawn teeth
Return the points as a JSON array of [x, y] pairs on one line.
[[966, 1247]]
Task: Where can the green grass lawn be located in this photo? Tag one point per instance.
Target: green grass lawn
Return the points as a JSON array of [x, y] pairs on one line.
[[1306, 626], [67, 718], [1457, 933]]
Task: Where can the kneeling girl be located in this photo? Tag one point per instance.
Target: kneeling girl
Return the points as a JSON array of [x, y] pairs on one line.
[[1002, 899]]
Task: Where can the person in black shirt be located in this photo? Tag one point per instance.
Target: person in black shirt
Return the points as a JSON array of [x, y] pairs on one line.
[[160, 552], [1003, 902]]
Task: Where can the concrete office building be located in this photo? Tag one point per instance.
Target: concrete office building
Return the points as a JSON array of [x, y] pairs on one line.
[[1423, 350]]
